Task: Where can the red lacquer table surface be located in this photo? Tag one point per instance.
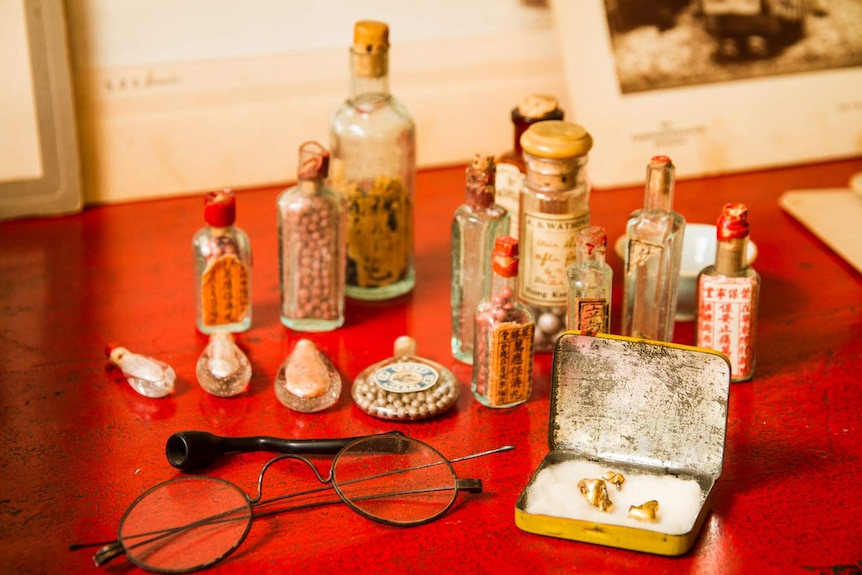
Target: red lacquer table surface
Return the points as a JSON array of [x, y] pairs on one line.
[[78, 444]]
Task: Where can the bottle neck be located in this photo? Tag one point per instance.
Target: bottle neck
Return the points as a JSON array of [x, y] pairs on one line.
[[500, 284], [591, 256], [555, 175], [658, 194], [369, 74], [730, 256], [480, 188]]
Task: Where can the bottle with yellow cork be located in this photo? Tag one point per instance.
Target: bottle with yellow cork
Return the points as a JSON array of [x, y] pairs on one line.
[[372, 140]]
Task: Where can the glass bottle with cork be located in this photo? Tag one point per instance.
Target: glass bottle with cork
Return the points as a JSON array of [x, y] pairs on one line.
[[312, 221], [511, 168], [475, 226], [372, 139], [555, 204], [728, 295], [653, 257], [503, 346], [222, 254], [590, 281]]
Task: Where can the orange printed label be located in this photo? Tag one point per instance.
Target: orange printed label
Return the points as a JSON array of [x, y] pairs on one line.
[[591, 315], [224, 290], [510, 375]]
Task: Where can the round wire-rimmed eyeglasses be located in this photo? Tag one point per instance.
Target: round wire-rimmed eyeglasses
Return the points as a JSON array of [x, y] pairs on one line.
[[193, 522]]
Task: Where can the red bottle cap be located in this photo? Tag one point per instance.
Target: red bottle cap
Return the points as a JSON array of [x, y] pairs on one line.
[[733, 222], [505, 256], [220, 208]]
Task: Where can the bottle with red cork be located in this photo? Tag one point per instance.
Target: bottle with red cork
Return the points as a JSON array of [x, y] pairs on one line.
[[222, 254], [503, 344], [728, 293]]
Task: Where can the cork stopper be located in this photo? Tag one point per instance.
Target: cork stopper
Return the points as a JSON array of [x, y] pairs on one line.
[[733, 222], [537, 106], [220, 208], [556, 139], [370, 36], [482, 161], [313, 162], [505, 256]]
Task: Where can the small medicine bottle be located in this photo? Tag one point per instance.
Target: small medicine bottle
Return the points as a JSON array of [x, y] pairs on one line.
[[476, 224], [728, 294], [555, 204], [511, 168], [312, 222], [222, 255], [503, 344], [653, 256], [590, 282], [372, 139]]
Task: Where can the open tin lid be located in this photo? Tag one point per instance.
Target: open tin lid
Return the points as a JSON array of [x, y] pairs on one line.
[[643, 402]]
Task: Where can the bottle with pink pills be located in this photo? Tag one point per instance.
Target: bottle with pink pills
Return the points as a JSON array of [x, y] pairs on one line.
[[503, 340]]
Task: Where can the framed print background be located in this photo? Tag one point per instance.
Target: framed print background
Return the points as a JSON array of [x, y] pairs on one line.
[[717, 85]]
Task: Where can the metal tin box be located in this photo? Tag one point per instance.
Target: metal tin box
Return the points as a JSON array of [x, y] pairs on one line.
[[653, 412]]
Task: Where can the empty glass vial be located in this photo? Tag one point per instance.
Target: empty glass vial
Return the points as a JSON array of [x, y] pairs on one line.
[[307, 381], [555, 204], [503, 348], [511, 168], [222, 254], [223, 369], [652, 258], [148, 376], [475, 226], [728, 294], [312, 222], [405, 386], [590, 280], [372, 139]]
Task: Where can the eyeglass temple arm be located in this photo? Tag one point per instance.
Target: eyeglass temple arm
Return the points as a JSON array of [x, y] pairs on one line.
[[470, 485], [191, 449]]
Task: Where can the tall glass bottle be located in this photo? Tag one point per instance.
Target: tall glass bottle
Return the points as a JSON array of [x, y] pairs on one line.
[[475, 226], [590, 279], [511, 168], [372, 138], [222, 254], [653, 257], [503, 348], [728, 295], [555, 204], [312, 222]]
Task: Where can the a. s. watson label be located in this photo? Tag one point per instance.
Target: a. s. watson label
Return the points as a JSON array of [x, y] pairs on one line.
[[405, 377], [550, 247]]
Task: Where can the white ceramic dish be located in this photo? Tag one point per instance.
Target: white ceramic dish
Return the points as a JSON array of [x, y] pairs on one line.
[[698, 252]]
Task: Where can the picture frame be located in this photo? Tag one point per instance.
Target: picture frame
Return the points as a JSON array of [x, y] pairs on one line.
[[39, 170], [657, 78]]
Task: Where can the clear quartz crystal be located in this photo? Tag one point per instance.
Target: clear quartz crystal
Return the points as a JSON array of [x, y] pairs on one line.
[[372, 138], [222, 255], [728, 294], [652, 259], [312, 222], [475, 226], [223, 369], [503, 346], [590, 280], [307, 381], [554, 206], [149, 377], [405, 386]]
